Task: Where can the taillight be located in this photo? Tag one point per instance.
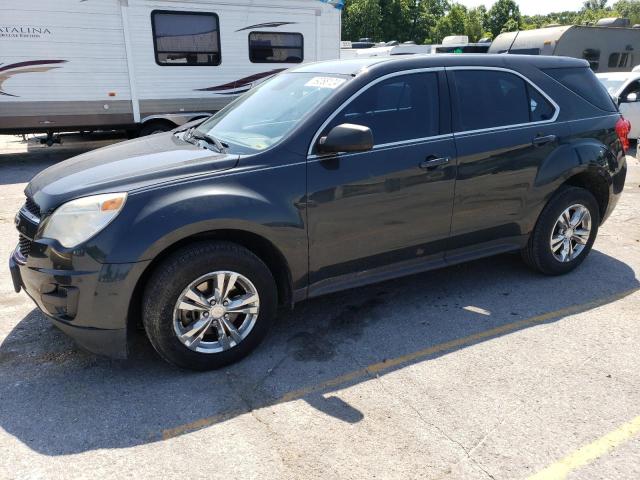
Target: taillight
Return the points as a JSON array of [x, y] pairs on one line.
[[623, 127]]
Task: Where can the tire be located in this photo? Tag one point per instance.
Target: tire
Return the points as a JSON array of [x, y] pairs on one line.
[[539, 254], [164, 320], [153, 127]]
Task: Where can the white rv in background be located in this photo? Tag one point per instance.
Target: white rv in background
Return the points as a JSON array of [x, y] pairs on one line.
[[450, 44], [147, 65], [607, 46]]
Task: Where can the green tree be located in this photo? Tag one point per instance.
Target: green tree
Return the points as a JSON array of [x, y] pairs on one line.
[[511, 26], [424, 15], [503, 12], [457, 17], [594, 4], [591, 16], [628, 9], [474, 23], [453, 23], [362, 18], [395, 20]]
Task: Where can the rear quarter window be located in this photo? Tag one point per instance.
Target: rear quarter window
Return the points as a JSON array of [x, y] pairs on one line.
[[584, 83]]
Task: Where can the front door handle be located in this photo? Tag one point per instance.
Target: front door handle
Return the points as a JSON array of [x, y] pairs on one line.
[[432, 162], [543, 140]]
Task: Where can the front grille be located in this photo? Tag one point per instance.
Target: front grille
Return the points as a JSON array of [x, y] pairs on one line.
[[24, 245], [30, 211], [32, 207]]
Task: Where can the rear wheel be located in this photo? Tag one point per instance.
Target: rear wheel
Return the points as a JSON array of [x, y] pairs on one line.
[[564, 233], [209, 305]]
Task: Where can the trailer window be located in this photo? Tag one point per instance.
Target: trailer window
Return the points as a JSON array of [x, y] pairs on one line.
[[525, 51], [186, 38], [592, 56], [620, 60], [275, 47]]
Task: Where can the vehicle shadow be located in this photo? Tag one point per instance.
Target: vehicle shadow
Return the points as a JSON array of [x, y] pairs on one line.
[[59, 400]]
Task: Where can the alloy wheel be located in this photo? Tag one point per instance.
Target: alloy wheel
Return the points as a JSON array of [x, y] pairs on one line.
[[216, 312], [570, 233]]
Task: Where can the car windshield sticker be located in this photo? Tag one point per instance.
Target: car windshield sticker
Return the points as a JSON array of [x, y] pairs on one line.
[[325, 82]]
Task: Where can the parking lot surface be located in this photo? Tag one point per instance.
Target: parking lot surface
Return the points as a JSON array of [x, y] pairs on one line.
[[483, 370]]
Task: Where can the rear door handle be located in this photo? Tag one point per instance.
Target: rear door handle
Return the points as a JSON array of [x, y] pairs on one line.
[[432, 162], [543, 140]]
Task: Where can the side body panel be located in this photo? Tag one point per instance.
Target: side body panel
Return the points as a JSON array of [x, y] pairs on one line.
[[496, 175], [504, 179], [371, 210], [258, 198]]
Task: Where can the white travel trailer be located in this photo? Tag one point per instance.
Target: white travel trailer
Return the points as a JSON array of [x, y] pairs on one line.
[[450, 44], [606, 48], [147, 65]]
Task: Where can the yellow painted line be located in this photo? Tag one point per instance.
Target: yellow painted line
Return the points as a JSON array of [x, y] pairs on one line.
[[380, 367], [589, 453]]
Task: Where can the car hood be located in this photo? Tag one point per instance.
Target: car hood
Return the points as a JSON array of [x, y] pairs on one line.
[[124, 167]]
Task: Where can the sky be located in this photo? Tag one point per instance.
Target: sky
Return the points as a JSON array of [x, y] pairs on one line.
[[533, 7]]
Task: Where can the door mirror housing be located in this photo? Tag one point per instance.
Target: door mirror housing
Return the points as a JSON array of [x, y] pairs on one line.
[[346, 137], [631, 98]]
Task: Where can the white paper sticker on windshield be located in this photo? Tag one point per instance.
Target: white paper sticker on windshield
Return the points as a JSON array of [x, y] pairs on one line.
[[325, 82]]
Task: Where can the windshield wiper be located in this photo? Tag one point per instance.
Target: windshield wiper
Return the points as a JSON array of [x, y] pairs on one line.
[[210, 139]]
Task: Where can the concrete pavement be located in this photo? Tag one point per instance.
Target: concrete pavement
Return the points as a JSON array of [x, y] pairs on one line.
[[483, 370]]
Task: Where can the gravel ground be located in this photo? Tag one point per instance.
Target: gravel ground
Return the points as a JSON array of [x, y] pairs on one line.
[[483, 370]]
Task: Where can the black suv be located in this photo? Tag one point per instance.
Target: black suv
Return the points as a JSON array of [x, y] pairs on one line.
[[325, 177]]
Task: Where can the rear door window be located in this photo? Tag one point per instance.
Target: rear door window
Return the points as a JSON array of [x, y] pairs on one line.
[[488, 98], [405, 107], [540, 109]]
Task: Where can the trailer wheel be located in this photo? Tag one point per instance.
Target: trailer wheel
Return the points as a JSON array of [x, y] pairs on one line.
[[156, 126]]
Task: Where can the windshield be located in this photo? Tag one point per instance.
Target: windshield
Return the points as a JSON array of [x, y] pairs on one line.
[[611, 85], [267, 113]]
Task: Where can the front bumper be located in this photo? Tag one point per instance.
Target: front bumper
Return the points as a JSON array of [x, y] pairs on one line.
[[90, 304]]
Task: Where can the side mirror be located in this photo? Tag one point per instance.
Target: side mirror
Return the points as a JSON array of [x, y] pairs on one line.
[[632, 97], [346, 137]]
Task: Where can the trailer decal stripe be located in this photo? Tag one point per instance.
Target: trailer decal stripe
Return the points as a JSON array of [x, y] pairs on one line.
[[29, 63], [8, 71], [242, 82], [266, 25]]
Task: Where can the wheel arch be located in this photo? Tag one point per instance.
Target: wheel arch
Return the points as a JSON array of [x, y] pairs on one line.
[[585, 164], [596, 184], [257, 244]]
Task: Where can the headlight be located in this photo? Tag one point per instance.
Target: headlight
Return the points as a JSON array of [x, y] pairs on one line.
[[78, 220]]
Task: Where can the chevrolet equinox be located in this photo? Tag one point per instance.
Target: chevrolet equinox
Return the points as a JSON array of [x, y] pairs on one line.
[[325, 177]]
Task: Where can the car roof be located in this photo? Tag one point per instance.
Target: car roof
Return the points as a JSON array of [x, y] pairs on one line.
[[403, 62]]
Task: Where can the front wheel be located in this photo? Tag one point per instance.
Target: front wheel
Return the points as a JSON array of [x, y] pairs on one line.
[[208, 305], [564, 233]]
